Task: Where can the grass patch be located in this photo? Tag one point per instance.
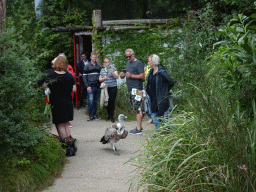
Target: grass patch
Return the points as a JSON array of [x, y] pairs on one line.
[[23, 172]]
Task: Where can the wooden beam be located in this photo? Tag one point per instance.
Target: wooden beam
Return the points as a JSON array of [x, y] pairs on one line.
[[75, 28], [136, 21], [108, 28], [116, 28]]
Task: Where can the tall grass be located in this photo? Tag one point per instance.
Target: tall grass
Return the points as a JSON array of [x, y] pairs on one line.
[[210, 147], [175, 161]]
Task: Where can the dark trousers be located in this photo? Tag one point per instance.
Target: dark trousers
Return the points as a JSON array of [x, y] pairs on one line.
[[112, 92], [83, 93]]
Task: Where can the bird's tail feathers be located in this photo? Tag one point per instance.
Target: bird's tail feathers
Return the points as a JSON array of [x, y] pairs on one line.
[[103, 140]]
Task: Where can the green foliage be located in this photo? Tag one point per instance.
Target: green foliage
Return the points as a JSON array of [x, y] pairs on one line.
[[237, 60], [183, 43], [21, 14], [211, 146], [17, 89], [144, 43], [237, 6], [177, 161], [30, 173], [166, 9], [64, 13], [45, 44]]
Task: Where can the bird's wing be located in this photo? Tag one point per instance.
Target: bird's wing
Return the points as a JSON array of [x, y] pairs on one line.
[[110, 133], [124, 135], [114, 126]]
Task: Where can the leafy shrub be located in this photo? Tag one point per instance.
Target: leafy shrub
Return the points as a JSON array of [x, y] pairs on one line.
[[211, 146], [30, 173], [17, 89], [237, 60]]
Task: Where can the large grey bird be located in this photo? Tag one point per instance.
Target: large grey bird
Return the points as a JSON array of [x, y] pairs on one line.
[[114, 133]]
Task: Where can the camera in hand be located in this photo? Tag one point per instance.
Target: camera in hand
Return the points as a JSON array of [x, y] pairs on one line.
[[124, 70]]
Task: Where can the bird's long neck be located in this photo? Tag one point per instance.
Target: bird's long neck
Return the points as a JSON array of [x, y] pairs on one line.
[[121, 121]]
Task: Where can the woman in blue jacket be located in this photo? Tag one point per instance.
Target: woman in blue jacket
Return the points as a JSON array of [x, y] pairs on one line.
[[158, 86]]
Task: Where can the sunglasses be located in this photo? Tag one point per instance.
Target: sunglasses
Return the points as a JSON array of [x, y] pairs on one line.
[[129, 56]]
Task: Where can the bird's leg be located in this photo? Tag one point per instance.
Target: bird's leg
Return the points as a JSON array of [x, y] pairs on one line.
[[114, 148]]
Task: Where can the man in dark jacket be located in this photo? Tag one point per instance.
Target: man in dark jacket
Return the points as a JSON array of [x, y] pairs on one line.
[[158, 87], [80, 67], [91, 81]]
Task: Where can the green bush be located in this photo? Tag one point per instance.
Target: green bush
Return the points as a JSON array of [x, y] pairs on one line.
[[18, 88], [31, 173], [237, 61], [210, 148], [211, 145]]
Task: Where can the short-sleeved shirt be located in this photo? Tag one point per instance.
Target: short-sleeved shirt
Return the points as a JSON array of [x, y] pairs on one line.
[[134, 68], [111, 81]]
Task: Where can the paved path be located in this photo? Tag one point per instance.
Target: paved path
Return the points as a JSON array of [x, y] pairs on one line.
[[95, 168]]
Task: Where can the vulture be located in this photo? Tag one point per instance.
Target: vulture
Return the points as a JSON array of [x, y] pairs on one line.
[[115, 133]]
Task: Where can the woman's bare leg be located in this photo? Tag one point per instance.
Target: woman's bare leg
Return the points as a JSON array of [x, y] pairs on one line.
[[62, 130], [67, 129]]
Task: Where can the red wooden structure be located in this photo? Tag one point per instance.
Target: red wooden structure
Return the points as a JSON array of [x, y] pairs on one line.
[[76, 51]]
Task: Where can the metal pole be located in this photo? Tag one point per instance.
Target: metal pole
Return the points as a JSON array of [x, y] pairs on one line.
[[74, 47], [39, 11]]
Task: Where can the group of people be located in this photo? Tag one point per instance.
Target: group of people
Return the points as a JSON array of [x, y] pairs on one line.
[[158, 86], [61, 84]]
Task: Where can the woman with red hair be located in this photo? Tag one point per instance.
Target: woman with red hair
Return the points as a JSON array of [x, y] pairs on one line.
[[61, 84]]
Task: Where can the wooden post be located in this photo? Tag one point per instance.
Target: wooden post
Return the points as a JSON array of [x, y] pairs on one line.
[[2, 15], [97, 41], [2, 28], [97, 19]]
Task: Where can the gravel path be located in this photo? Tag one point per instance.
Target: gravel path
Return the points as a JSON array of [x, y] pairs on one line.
[[95, 168]]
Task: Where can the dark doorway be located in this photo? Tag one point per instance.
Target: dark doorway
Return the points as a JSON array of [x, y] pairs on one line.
[[87, 45], [82, 44]]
